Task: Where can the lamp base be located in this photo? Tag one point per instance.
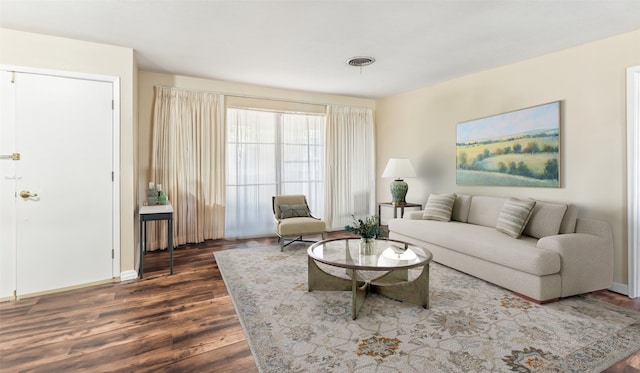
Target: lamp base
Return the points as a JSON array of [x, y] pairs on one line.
[[399, 190]]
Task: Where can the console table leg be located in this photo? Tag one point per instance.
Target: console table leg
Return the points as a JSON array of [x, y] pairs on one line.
[[143, 238], [170, 243]]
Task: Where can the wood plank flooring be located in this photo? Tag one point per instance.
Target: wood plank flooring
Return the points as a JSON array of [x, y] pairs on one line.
[[180, 323]]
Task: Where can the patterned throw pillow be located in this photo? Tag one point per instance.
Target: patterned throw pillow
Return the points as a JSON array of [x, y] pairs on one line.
[[294, 211], [439, 207], [514, 216]]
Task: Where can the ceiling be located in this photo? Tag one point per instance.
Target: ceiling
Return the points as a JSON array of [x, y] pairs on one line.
[[304, 44]]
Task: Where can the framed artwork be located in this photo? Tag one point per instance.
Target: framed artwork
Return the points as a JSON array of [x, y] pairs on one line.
[[519, 148]]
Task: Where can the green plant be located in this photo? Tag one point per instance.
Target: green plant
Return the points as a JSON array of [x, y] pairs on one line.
[[367, 228]]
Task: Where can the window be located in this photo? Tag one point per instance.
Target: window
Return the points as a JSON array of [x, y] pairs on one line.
[[271, 153]]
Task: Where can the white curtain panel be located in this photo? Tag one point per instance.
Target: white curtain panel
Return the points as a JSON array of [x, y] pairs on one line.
[[350, 165], [188, 154]]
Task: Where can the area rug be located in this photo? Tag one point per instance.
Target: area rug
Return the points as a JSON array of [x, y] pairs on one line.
[[471, 326]]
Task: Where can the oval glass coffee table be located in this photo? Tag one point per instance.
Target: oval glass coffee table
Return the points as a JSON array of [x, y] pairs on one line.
[[383, 270]]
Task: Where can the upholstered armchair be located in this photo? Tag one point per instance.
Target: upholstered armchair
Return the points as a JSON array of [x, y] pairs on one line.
[[294, 219]]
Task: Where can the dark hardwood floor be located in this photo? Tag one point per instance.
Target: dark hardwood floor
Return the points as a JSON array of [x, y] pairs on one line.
[[180, 323]]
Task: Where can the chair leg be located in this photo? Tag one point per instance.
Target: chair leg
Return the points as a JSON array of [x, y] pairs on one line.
[[281, 240]]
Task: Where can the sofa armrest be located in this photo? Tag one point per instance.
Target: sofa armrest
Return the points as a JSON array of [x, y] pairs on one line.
[[596, 227], [414, 215], [586, 258]]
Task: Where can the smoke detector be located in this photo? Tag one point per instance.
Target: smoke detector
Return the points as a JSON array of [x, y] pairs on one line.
[[361, 61]]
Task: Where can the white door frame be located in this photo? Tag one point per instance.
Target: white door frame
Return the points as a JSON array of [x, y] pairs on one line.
[[115, 81], [633, 179]]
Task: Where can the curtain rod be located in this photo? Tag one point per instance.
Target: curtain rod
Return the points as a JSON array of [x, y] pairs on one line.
[[243, 96], [252, 96]]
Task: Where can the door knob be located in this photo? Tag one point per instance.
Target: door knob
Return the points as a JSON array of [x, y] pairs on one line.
[[14, 156], [27, 194]]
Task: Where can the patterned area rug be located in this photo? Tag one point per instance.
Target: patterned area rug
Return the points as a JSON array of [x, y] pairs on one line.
[[472, 326]]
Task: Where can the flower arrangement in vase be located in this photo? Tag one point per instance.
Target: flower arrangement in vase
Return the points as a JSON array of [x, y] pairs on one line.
[[368, 230]]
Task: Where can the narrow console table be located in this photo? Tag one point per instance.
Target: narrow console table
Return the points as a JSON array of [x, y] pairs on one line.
[[150, 213]]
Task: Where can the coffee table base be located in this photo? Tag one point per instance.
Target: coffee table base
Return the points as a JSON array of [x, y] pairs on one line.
[[392, 284]]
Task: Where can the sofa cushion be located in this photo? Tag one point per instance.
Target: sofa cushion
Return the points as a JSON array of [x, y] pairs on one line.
[[514, 216], [485, 210], [461, 208], [483, 243], [294, 211], [299, 226], [439, 207], [546, 218]]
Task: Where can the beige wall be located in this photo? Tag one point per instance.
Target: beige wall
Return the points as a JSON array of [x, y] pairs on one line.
[[235, 93], [590, 82], [47, 52]]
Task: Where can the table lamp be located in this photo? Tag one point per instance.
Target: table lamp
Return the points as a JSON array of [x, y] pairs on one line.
[[398, 168]]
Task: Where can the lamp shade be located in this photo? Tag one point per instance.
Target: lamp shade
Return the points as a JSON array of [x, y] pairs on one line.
[[398, 168]]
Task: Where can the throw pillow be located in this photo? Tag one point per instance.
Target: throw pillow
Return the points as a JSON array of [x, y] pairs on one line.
[[294, 211], [439, 207], [514, 216], [546, 218], [461, 208], [568, 224]]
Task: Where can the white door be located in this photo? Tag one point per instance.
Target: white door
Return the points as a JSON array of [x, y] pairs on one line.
[[7, 189], [63, 131]]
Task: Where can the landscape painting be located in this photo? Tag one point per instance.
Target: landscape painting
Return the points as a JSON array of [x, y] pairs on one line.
[[519, 148]]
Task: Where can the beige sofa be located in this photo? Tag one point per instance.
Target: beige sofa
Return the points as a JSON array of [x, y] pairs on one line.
[[557, 255]]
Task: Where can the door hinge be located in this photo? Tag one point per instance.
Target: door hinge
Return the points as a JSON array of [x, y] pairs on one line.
[[15, 294], [113, 104], [13, 77], [113, 177], [113, 254]]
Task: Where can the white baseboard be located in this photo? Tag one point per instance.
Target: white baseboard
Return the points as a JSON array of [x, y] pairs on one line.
[[128, 275], [620, 288]]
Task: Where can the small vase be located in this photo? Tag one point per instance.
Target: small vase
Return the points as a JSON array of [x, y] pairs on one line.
[[367, 246], [162, 198]]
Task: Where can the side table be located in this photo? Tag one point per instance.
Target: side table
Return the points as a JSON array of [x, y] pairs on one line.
[[395, 209], [150, 213]]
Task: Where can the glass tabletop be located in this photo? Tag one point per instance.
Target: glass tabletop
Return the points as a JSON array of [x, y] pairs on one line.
[[388, 254]]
